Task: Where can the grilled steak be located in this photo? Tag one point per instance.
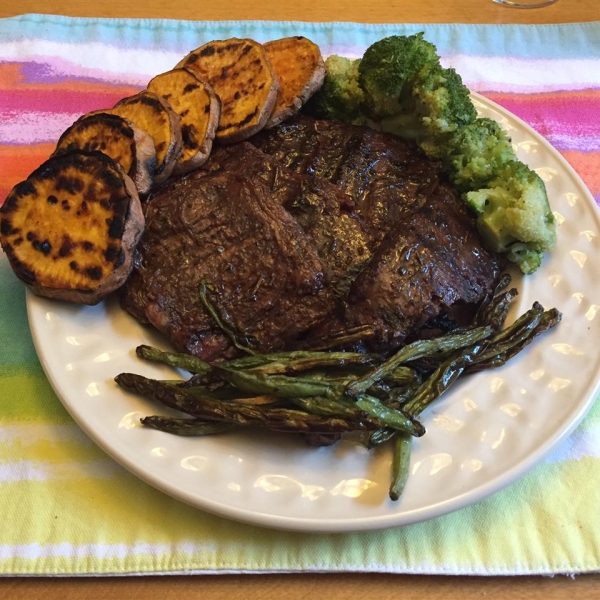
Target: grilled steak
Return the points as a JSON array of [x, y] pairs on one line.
[[269, 282], [326, 227]]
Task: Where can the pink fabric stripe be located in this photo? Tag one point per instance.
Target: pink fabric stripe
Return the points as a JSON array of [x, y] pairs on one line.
[[57, 100], [569, 121]]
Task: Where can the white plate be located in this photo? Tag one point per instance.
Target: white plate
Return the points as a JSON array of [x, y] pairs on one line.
[[482, 435]]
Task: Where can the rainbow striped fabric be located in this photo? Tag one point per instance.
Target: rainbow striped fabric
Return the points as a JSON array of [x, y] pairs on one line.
[[69, 509]]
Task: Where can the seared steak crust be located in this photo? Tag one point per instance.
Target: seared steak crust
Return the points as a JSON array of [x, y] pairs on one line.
[[432, 261], [427, 255], [383, 175], [322, 210]]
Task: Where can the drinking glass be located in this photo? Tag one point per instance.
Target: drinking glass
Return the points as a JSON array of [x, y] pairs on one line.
[[525, 3]]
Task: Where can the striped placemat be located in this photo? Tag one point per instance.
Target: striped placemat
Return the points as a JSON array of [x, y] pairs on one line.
[[69, 509]]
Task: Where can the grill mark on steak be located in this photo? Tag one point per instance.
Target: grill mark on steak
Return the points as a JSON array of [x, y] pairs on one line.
[[231, 232]]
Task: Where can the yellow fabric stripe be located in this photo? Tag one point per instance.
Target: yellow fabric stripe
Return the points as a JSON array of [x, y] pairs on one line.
[[152, 532]]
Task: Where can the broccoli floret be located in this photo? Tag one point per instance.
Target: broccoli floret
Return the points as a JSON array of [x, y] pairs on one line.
[[443, 101], [340, 96], [514, 216], [408, 93], [475, 153], [389, 69]]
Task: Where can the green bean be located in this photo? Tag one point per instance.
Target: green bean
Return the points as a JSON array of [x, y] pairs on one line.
[[495, 314], [535, 310], [221, 392], [225, 328], [174, 359], [403, 376], [281, 386], [339, 338], [278, 419], [298, 361], [417, 350], [390, 417], [400, 464], [495, 303], [496, 356], [328, 407], [185, 427], [324, 394], [442, 378], [380, 436]]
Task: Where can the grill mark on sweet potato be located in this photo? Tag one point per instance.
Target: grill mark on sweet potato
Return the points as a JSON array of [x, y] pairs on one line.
[[94, 273], [106, 132], [199, 110], [151, 113], [6, 227], [188, 133], [67, 247], [233, 46], [22, 271], [152, 103], [300, 68], [72, 185], [244, 121], [115, 227], [110, 179], [111, 253], [24, 189]]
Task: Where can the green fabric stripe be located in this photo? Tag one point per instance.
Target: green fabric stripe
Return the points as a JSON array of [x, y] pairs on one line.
[[28, 396], [13, 324]]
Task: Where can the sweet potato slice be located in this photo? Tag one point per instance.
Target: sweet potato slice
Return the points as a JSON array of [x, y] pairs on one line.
[[152, 113], [300, 69], [117, 137], [240, 73], [70, 228], [198, 108]]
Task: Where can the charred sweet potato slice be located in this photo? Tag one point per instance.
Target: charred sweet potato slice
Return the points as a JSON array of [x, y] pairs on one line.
[[117, 137], [70, 228], [198, 108], [241, 75], [300, 69], [153, 114]]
